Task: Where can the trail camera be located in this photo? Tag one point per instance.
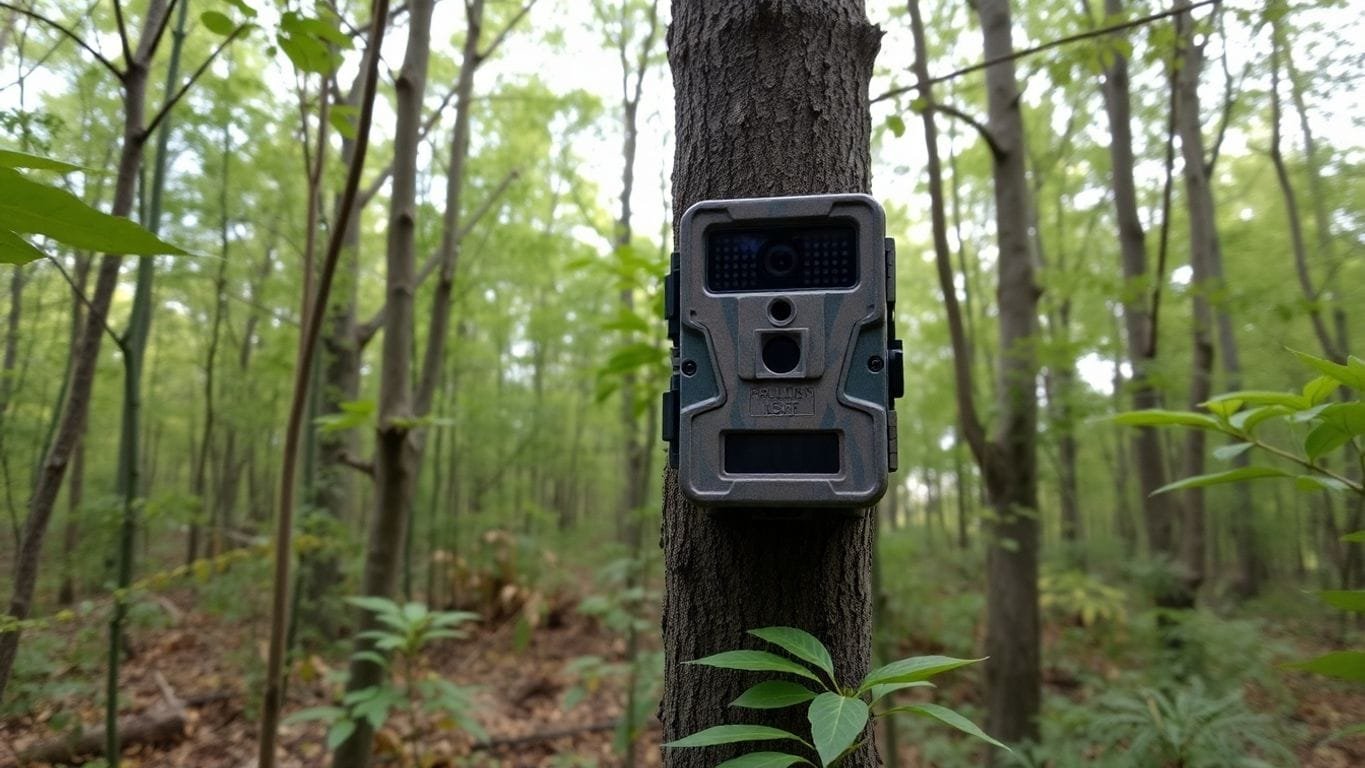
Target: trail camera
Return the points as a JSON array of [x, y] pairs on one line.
[[785, 365]]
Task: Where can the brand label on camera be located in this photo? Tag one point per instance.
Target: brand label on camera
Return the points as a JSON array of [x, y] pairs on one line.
[[782, 400]]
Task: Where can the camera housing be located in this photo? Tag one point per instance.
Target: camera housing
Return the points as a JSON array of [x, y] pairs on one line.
[[785, 365]]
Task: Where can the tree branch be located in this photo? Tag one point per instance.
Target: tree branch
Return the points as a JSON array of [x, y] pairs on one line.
[[367, 194], [1163, 246], [160, 31], [1086, 35], [180, 94], [273, 695], [68, 34], [80, 294], [985, 132], [502, 35], [123, 32], [366, 330], [356, 463], [967, 416]]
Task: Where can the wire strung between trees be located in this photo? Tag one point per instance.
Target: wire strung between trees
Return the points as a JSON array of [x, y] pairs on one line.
[[1086, 35]]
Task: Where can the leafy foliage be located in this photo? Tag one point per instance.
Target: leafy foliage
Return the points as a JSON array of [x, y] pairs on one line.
[[1188, 727], [1328, 426], [837, 715], [31, 207], [405, 631]]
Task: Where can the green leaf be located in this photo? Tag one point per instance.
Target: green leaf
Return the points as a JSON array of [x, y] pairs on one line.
[[731, 734], [353, 414], [633, 356], [217, 23], [773, 694], [1230, 452], [1352, 600], [754, 661], [313, 45], [835, 723], [339, 732], [29, 207], [799, 643], [881, 691], [1318, 390], [376, 605], [1321, 482], [912, 670], [948, 716], [1344, 665], [370, 656], [1222, 408], [1219, 478], [628, 322], [1260, 397], [1339, 424], [1303, 417], [343, 117], [1352, 376], [16, 250], [1358, 537], [763, 760], [242, 6], [12, 159], [1250, 418], [314, 713], [896, 124], [1160, 418]]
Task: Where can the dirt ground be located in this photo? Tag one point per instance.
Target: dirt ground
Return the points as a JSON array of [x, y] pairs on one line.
[[519, 702]]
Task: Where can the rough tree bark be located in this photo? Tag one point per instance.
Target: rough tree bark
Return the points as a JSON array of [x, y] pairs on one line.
[[771, 99]]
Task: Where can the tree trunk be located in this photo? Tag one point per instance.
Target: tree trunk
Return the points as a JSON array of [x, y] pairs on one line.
[[1139, 323], [200, 481], [1206, 279], [1013, 677], [8, 374], [395, 464], [771, 99], [636, 454]]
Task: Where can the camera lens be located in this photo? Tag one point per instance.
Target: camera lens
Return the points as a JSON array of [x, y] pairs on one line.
[[779, 259], [781, 353]]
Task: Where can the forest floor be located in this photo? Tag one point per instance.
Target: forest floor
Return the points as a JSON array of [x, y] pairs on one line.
[[520, 678], [518, 698]]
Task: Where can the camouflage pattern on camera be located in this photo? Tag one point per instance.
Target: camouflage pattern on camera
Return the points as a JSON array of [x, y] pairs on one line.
[[785, 368]]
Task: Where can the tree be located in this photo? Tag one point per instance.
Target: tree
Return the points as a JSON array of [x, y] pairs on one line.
[[791, 78], [1139, 312], [1008, 458]]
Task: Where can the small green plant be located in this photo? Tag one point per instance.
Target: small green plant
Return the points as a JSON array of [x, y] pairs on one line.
[[1187, 727], [414, 688], [838, 714], [1081, 598], [619, 604]]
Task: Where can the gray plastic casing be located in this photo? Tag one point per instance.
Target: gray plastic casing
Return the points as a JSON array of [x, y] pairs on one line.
[[837, 386]]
